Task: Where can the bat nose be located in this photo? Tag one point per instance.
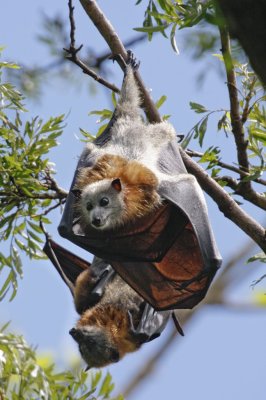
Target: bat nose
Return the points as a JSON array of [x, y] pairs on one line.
[[96, 221], [75, 333]]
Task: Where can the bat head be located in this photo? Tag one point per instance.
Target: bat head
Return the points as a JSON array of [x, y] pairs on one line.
[[101, 203], [95, 347], [104, 335]]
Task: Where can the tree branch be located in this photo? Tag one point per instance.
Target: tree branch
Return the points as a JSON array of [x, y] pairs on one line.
[[193, 153], [252, 196], [48, 210], [127, 44], [73, 51], [53, 185], [107, 31], [226, 204], [237, 126], [244, 188]]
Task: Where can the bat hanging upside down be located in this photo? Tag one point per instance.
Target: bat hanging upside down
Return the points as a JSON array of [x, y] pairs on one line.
[[105, 332], [114, 319]]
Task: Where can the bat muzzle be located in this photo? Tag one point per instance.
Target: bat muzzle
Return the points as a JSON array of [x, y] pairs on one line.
[[76, 334]]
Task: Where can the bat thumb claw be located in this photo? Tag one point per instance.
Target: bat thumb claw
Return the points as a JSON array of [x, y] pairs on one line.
[[177, 324]]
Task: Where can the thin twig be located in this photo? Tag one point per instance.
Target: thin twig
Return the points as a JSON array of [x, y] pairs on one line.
[[259, 200], [247, 109], [112, 39], [193, 153], [48, 210], [229, 181], [73, 51], [253, 197], [53, 185]]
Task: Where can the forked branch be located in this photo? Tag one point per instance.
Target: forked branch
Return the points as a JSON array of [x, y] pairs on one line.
[[72, 52]]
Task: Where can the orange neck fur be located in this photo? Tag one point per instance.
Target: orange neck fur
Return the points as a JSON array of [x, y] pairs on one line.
[[139, 184]]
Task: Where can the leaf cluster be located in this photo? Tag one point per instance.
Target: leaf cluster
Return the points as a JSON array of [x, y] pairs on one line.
[[27, 188], [163, 14], [25, 376], [253, 115]]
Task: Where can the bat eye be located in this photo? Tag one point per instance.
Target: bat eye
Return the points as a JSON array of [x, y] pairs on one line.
[[89, 206], [104, 202]]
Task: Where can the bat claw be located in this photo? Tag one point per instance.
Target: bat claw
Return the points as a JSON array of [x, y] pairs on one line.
[[132, 61], [177, 324]]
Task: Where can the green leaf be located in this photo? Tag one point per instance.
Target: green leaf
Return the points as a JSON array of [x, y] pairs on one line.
[[20, 244], [36, 227], [24, 376], [173, 39], [202, 130], [5, 326], [198, 108], [161, 101], [101, 129], [107, 385], [105, 112], [163, 17], [34, 236], [167, 6], [150, 29], [95, 379], [114, 100], [185, 142], [258, 257], [5, 64], [255, 175], [6, 285], [87, 394], [17, 261], [86, 134], [259, 135]]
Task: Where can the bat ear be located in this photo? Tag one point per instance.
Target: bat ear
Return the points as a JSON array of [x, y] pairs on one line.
[[116, 184], [76, 193]]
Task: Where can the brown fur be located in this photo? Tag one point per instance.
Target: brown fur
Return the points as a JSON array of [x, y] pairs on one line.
[[114, 322], [83, 286], [110, 314], [139, 184]]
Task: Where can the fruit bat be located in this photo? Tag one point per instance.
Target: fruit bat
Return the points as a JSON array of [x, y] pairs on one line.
[[114, 319], [168, 256]]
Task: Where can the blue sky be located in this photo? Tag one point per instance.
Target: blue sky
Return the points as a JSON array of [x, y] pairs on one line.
[[222, 355]]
